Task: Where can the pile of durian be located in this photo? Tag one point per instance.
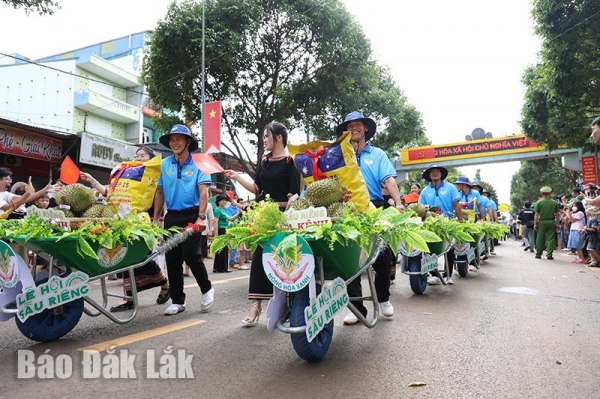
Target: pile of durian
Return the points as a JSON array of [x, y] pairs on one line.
[[327, 193], [420, 210], [80, 201]]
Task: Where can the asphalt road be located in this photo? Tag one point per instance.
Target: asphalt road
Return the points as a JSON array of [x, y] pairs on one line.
[[518, 328]]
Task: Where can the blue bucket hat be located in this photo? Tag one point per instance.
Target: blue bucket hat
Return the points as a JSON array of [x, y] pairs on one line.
[[434, 166], [179, 129], [357, 116], [463, 180], [486, 191]]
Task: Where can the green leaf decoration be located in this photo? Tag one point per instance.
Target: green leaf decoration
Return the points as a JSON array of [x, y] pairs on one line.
[[84, 249]]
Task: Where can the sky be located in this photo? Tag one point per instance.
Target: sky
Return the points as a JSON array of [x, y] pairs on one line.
[[458, 62]]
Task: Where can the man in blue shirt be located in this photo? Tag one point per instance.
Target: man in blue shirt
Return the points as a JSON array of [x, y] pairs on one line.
[[377, 171], [486, 202], [493, 209], [470, 197], [445, 196], [184, 189]]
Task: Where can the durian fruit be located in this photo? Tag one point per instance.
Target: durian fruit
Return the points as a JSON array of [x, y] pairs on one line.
[[98, 211], [335, 209], [419, 209], [77, 196], [300, 203], [68, 213], [324, 192]]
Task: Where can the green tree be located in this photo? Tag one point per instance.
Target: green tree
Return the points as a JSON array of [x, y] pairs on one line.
[[305, 63], [40, 6], [526, 183], [563, 89]]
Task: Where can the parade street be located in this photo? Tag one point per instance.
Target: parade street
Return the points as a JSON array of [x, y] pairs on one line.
[[520, 327]]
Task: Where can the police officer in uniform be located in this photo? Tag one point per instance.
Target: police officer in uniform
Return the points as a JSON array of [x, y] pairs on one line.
[[546, 223]]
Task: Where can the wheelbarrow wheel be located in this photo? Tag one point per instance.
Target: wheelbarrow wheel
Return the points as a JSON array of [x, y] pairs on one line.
[[318, 347], [462, 265], [51, 324], [418, 283]]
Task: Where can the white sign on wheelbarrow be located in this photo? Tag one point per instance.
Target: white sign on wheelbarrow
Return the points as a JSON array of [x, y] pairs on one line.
[[55, 292], [324, 307]]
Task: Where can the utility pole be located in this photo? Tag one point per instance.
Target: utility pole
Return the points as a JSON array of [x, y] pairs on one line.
[[203, 79]]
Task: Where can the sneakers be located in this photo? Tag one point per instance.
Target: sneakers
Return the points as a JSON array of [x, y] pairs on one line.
[[350, 319], [433, 280], [492, 253], [472, 268], [386, 309], [449, 281], [174, 309], [244, 267], [207, 300]]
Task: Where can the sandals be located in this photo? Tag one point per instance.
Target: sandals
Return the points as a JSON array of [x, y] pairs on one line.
[[247, 321], [161, 299], [122, 307], [593, 264]]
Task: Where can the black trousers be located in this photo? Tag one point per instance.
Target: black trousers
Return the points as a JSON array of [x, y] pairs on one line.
[[221, 258], [189, 251], [382, 267]]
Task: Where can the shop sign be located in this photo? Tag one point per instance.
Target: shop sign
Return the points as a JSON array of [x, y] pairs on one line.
[[29, 145], [105, 152]]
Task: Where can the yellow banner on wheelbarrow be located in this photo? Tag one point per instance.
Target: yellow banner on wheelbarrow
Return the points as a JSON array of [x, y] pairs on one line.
[[288, 262], [321, 159], [132, 186]]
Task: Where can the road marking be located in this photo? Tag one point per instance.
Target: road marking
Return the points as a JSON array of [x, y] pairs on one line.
[[218, 282], [102, 346]]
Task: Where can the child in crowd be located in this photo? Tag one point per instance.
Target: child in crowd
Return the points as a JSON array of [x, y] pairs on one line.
[[591, 232], [576, 215]]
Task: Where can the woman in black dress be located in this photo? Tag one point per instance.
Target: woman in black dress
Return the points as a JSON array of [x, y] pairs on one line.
[[277, 177]]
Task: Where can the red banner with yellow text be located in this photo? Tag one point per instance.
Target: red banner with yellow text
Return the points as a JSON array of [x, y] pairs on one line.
[[588, 168], [486, 147]]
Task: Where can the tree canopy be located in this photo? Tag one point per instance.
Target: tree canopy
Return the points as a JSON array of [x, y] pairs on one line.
[[533, 175], [563, 89], [40, 6], [306, 63]]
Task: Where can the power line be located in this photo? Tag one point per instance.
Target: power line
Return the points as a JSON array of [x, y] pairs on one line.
[[574, 26], [133, 91], [70, 73]]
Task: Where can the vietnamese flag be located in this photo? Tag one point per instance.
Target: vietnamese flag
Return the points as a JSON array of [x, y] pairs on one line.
[[212, 127], [206, 163], [69, 172]]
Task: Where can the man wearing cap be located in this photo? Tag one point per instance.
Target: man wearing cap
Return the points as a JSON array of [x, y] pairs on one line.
[[444, 195], [378, 172], [184, 190], [486, 202], [546, 222], [470, 198]]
